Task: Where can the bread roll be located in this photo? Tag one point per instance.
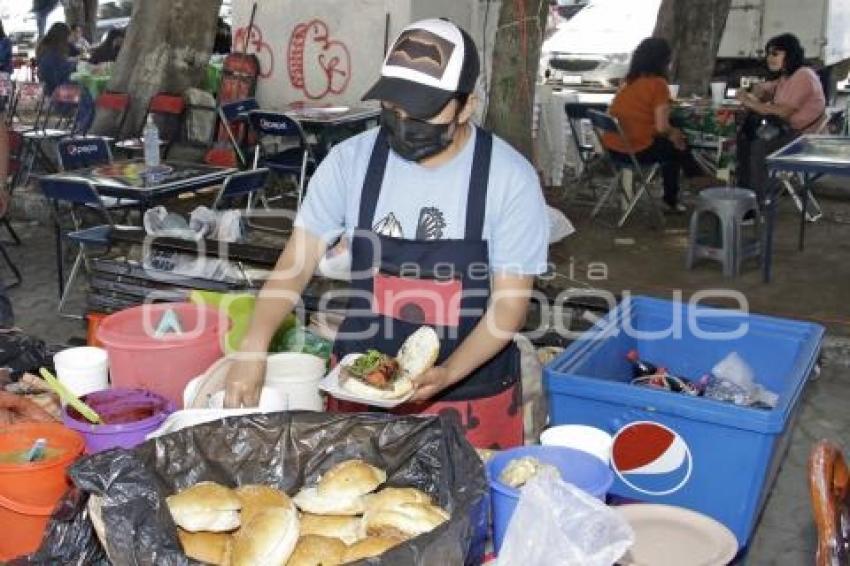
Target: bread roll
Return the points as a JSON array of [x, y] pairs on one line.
[[309, 501], [211, 548], [394, 496], [351, 478], [315, 550], [346, 528], [368, 547], [268, 538], [406, 520], [401, 387], [255, 498], [206, 506], [419, 352]]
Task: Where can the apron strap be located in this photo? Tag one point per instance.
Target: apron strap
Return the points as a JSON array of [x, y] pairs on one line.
[[373, 181], [479, 179]]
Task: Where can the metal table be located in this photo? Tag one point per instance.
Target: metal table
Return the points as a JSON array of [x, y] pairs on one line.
[[130, 179], [812, 156], [330, 125]]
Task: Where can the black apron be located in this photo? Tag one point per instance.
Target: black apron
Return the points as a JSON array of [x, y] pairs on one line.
[[441, 283]]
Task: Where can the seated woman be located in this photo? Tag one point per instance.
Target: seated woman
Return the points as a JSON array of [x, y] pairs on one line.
[[642, 107], [55, 68], [108, 49], [795, 98]]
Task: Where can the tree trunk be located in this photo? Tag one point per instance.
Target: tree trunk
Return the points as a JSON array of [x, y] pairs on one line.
[[167, 49], [82, 13], [694, 29], [516, 55]]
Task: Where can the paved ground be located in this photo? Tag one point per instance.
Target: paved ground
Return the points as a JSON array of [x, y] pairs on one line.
[[809, 285]]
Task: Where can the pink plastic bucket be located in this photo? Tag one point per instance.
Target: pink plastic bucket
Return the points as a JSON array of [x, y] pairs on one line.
[[164, 365], [128, 416]]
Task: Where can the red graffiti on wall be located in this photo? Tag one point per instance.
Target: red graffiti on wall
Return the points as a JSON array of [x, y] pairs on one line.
[[318, 65], [257, 46]]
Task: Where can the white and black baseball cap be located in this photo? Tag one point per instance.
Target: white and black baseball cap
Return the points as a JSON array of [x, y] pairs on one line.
[[429, 63]]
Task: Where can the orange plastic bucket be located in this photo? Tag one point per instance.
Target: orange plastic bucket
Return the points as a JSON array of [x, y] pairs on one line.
[[30, 491]]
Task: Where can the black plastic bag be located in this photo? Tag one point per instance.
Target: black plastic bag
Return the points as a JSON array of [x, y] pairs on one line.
[[286, 450]]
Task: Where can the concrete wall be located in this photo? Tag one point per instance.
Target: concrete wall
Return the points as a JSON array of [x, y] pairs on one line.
[[328, 52]]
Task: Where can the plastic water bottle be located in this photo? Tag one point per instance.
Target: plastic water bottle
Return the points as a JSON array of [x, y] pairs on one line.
[[150, 138]]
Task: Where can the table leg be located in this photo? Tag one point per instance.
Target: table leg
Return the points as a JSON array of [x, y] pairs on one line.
[[803, 208], [770, 213]]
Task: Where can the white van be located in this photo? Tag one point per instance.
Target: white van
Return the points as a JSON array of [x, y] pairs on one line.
[[593, 49]]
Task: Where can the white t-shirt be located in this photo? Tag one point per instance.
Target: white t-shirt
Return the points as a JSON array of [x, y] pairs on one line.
[[430, 203]]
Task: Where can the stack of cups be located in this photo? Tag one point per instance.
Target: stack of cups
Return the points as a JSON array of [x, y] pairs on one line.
[[591, 440], [83, 370]]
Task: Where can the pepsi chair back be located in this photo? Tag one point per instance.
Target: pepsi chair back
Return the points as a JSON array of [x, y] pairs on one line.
[[242, 183], [604, 123], [231, 111], [73, 191], [81, 153], [230, 115]]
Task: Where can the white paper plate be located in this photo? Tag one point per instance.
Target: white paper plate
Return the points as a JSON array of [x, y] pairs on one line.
[[330, 385], [666, 535]]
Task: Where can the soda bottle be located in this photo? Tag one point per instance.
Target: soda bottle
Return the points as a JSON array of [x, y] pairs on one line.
[[150, 139], [640, 367]]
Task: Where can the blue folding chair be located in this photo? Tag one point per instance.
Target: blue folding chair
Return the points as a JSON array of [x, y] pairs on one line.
[[75, 192], [642, 176], [90, 151], [241, 184], [282, 147], [234, 115]]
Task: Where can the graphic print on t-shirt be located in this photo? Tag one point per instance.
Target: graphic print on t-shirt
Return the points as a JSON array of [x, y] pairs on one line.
[[431, 223], [389, 226]]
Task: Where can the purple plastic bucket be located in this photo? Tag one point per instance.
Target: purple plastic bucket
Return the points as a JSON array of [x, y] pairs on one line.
[[128, 415]]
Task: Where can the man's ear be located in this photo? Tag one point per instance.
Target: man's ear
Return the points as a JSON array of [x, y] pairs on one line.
[[469, 108]]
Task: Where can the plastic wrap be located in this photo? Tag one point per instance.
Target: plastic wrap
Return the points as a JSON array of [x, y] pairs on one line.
[[286, 450]]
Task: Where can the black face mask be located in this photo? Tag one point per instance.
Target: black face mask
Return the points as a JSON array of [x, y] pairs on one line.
[[415, 140]]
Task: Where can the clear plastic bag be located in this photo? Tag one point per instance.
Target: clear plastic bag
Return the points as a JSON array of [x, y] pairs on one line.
[[733, 381], [557, 524]]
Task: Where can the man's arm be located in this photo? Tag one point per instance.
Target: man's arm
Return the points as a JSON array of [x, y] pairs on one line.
[[505, 315], [281, 292]]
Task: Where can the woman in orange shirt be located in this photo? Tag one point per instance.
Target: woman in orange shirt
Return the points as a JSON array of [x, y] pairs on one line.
[[642, 107]]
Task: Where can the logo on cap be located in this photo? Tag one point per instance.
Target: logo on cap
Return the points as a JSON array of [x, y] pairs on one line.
[[651, 458], [422, 51]]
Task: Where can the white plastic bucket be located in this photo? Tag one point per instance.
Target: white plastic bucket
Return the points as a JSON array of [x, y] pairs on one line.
[[589, 439], [271, 399], [83, 370], [298, 375], [674, 91]]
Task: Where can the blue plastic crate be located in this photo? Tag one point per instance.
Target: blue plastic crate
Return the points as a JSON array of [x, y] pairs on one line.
[[713, 457]]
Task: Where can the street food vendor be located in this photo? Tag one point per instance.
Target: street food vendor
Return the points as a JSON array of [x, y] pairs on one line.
[[447, 227]]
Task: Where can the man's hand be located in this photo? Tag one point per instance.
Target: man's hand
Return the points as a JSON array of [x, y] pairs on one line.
[[244, 382], [430, 383]]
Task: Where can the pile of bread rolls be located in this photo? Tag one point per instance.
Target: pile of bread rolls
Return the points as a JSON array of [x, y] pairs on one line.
[[343, 518]]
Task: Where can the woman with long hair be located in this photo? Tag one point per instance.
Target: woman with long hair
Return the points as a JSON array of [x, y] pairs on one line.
[[794, 100], [55, 68], [108, 49], [642, 106]]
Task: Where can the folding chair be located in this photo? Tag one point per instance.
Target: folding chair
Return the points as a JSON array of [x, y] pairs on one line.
[[76, 192], [91, 151], [642, 177], [282, 146], [116, 104], [240, 184], [56, 120], [792, 183], [167, 111], [587, 153], [232, 116]]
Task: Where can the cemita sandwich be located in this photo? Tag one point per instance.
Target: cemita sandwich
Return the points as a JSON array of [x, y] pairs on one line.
[[380, 376]]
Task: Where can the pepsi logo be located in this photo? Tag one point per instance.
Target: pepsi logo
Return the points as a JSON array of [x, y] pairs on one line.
[[271, 125], [651, 458], [79, 149]]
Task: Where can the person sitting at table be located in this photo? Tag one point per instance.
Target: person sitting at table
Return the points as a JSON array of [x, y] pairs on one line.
[[642, 106], [108, 49], [55, 68], [79, 44], [780, 110], [6, 64]]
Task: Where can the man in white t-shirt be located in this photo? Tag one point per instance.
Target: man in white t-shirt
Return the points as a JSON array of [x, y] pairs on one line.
[[447, 226]]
